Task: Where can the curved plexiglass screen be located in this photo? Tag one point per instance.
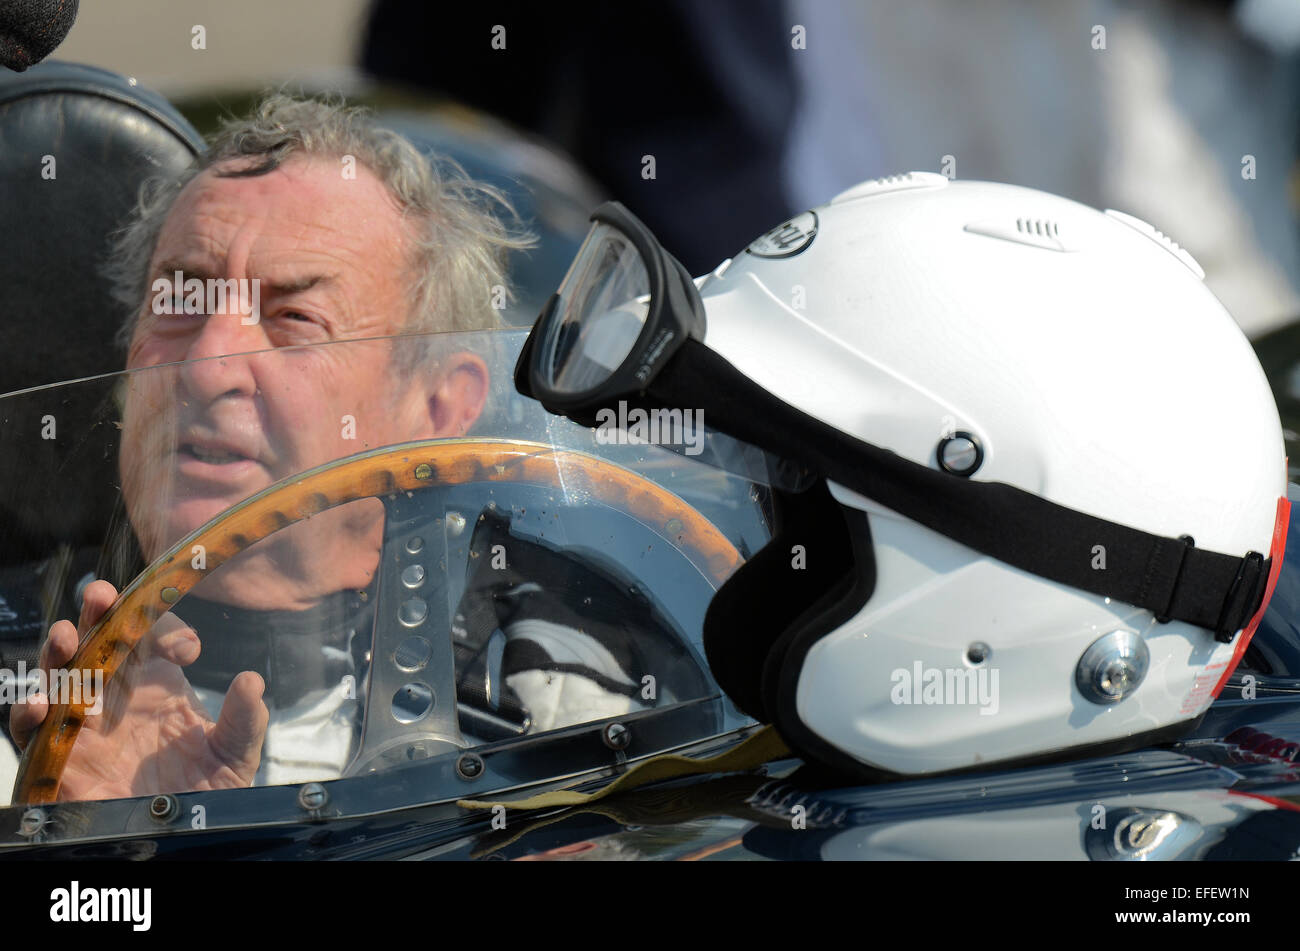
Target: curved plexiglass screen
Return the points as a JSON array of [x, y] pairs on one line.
[[337, 560]]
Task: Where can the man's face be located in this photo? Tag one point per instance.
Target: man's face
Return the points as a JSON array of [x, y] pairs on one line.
[[332, 258]]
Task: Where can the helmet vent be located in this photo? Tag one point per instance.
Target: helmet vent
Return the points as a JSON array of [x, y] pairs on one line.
[[892, 183], [1038, 226], [1036, 232]]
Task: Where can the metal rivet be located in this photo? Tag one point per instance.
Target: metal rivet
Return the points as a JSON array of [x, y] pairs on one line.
[[674, 526], [164, 808], [959, 453], [170, 595], [978, 652], [414, 544], [313, 797], [413, 576], [1112, 667], [424, 471], [32, 822], [470, 766], [617, 736]]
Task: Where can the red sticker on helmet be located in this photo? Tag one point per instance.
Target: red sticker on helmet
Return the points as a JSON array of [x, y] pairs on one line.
[[1276, 554]]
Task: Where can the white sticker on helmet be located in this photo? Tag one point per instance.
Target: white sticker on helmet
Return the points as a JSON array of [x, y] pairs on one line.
[[788, 239]]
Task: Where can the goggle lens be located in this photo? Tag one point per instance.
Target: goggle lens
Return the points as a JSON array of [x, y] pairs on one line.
[[600, 312]]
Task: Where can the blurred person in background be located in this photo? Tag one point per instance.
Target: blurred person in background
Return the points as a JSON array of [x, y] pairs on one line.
[[681, 109], [1183, 114]]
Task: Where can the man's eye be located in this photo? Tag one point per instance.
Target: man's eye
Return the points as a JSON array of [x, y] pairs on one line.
[[294, 315]]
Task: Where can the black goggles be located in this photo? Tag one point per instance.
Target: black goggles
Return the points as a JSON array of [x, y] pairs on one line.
[[628, 324], [623, 309]]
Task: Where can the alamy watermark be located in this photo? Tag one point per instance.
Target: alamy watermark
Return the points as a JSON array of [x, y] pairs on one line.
[[946, 686], [659, 427], [60, 686], [81, 904], [179, 295]]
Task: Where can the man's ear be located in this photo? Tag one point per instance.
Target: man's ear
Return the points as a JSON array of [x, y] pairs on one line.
[[458, 398]]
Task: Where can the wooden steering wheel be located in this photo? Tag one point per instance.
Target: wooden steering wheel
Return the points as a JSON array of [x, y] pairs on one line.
[[375, 474]]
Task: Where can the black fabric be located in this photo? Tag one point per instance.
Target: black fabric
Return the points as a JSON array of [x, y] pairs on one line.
[[578, 593], [34, 595], [760, 601], [707, 88], [784, 665], [31, 29], [1208, 589], [296, 652]]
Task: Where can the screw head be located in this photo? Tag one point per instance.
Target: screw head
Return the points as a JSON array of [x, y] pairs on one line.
[[32, 822], [617, 736], [163, 807], [470, 766], [313, 797], [424, 471], [1112, 667], [959, 453]]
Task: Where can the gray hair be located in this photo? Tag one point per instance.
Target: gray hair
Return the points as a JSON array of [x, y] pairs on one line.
[[462, 228]]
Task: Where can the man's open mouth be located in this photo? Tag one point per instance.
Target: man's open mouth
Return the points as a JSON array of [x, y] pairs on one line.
[[212, 456]]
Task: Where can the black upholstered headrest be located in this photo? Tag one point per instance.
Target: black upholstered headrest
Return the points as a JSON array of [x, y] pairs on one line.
[[75, 144]]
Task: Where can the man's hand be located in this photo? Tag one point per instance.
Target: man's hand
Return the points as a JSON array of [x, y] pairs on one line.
[[152, 735]]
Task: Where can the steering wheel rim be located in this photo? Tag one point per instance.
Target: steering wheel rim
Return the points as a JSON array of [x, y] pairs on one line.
[[372, 474]]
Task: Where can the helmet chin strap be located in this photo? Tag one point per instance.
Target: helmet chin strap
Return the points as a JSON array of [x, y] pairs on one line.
[[1167, 576]]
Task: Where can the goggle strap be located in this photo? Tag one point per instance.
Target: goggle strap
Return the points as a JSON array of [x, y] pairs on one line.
[[1164, 575]]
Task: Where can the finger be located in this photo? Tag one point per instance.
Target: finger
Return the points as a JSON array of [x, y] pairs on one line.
[[175, 641], [95, 600], [241, 727], [59, 646], [26, 716]]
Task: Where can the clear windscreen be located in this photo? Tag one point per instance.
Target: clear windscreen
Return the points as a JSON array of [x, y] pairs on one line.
[[340, 559]]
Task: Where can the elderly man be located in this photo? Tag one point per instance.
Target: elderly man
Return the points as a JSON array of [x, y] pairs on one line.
[[346, 233]]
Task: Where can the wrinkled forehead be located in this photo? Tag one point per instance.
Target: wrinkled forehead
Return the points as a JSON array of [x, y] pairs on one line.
[[316, 208]]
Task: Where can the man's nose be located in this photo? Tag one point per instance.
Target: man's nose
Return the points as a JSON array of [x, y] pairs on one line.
[[216, 361]]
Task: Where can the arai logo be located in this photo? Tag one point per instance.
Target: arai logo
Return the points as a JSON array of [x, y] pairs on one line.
[[787, 240]]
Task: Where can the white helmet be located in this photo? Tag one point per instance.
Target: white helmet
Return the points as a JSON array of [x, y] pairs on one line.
[[1051, 467]]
